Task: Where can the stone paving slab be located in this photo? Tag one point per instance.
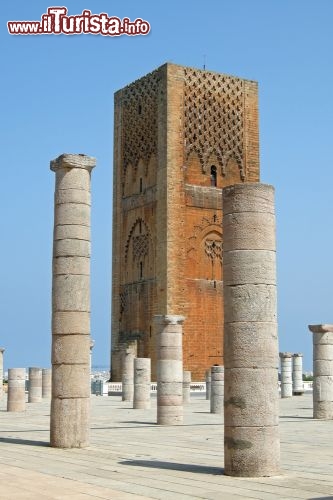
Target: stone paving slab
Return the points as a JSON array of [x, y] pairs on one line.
[[131, 458]]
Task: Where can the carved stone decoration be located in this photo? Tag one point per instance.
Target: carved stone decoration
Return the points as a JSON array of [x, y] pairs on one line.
[[213, 249], [207, 225], [140, 115], [140, 246], [213, 118]]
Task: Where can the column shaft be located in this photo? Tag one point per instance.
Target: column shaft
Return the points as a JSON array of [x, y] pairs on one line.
[[217, 389], [251, 446], [128, 375], [35, 385], [16, 389], [322, 371], [169, 369], [142, 370], [70, 405], [46, 383], [286, 375], [298, 388], [208, 384], [186, 387]]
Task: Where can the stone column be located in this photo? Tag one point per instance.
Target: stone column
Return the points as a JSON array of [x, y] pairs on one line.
[[70, 406], [35, 385], [217, 389], [251, 405], [46, 383], [16, 389], [322, 371], [128, 375], [169, 369], [186, 387], [286, 374], [142, 370], [1, 371], [208, 383], [92, 344], [298, 388]]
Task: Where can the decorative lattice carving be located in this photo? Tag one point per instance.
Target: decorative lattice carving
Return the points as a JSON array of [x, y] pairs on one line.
[[213, 249], [140, 116], [140, 246], [213, 117]]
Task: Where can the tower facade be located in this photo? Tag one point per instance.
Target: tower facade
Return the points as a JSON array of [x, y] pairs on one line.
[[181, 134]]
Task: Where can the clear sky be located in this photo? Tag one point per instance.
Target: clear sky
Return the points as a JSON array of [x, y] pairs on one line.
[[57, 96]]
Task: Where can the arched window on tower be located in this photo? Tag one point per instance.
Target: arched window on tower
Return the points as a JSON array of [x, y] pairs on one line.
[[213, 176]]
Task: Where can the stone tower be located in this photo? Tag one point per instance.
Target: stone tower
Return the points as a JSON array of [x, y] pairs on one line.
[[181, 134]]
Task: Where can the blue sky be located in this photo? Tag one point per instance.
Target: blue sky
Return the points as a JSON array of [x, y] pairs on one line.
[[57, 96]]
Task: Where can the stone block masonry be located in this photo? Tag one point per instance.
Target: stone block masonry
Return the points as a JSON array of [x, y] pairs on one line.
[[286, 374], [322, 336], [35, 385], [70, 404], [181, 135], [16, 389], [142, 380], [169, 369], [251, 405]]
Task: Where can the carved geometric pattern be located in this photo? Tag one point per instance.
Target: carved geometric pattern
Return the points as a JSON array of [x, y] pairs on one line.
[[140, 116], [140, 246], [213, 117], [213, 249], [133, 233]]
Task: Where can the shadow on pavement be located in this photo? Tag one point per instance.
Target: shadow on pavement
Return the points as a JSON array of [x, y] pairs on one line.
[[156, 464]]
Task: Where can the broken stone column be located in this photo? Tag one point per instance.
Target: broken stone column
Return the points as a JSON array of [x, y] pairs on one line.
[[251, 405], [128, 375], [186, 387], [16, 389], [297, 375], [169, 369], [217, 389], [35, 385], [142, 370], [46, 383], [322, 371], [208, 383], [70, 405], [286, 374], [1, 371]]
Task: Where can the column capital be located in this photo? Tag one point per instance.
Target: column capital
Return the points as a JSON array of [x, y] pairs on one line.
[[68, 160], [2, 349], [285, 354], [298, 355], [324, 328], [169, 319]]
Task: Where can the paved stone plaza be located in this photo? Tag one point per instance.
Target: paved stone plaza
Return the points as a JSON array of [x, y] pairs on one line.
[[130, 457]]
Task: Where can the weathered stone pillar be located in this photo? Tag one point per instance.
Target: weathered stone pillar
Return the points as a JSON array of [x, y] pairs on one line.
[[16, 389], [186, 387], [286, 374], [128, 375], [217, 389], [46, 383], [251, 406], [298, 388], [70, 406], [142, 370], [92, 344], [35, 385], [322, 371], [208, 383], [169, 369], [1, 371]]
